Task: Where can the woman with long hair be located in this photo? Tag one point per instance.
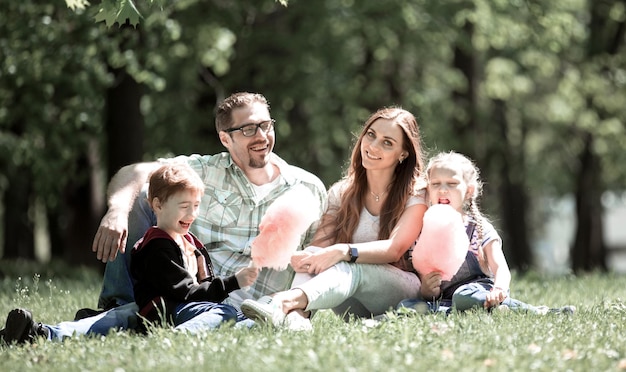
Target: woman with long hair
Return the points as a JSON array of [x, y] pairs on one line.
[[358, 263]]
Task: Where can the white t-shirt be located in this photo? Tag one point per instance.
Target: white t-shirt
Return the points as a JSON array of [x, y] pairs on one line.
[[367, 229]]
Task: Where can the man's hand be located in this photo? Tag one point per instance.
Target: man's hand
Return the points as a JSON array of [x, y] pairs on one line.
[[111, 236]]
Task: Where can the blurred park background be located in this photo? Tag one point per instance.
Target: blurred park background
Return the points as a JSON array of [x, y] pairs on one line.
[[534, 91]]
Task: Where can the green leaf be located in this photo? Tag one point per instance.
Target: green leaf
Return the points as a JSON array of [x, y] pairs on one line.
[[76, 4], [118, 12], [107, 13], [128, 11]]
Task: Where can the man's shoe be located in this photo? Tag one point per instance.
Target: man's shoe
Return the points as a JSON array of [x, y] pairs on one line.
[[87, 313], [21, 328], [264, 312]]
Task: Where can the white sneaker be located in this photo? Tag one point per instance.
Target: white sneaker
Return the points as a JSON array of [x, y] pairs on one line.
[[565, 310], [264, 312], [269, 313], [297, 323], [264, 300], [503, 308]]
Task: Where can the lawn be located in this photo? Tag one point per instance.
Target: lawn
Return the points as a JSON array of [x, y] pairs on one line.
[[591, 339]]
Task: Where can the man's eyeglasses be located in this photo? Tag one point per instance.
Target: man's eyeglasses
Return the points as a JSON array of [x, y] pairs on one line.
[[249, 130]]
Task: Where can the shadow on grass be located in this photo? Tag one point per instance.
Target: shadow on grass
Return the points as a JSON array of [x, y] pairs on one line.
[[13, 269]]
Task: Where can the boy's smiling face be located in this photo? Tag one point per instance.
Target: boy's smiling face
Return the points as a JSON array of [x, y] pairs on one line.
[[178, 212]]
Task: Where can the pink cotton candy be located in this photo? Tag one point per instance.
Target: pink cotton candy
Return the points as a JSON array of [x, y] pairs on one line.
[[282, 226], [443, 243]]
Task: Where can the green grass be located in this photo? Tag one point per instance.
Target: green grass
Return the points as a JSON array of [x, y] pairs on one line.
[[592, 339]]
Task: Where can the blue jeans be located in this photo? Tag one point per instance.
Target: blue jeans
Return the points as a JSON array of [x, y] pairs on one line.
[[474, 295], [196, 317], [192, 316], [119, 318], [467, 296], [117, 286]]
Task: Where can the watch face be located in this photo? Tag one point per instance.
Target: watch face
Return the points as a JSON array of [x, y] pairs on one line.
[[354, 254]]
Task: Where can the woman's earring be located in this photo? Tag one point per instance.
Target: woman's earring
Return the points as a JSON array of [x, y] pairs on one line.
[[400, 160]]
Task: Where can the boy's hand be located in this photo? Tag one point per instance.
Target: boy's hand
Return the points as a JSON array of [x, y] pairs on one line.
[[431, 285], [246, 276]]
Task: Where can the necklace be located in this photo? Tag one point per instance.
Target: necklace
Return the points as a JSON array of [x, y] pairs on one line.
[[377, 196]]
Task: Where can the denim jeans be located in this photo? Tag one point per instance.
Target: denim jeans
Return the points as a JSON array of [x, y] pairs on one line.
[[466, 297], [364, 290], [117, 286], [474, 295], [195, 317], [119, 318]]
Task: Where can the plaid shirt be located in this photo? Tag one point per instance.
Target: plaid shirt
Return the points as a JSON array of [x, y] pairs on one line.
[[229, 218]]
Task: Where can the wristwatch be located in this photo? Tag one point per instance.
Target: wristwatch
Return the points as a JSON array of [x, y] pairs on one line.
[[354, 253]]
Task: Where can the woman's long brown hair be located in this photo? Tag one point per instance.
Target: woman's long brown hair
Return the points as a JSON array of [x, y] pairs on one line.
[[343, 221]]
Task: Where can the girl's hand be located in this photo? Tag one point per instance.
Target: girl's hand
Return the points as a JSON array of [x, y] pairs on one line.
[[431, 285], [246, 276], [495, 297]]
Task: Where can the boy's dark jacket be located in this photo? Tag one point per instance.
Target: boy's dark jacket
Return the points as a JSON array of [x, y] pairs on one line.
[[161, 279]]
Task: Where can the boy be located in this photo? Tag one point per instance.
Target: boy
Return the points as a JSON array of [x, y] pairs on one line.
[[173, 273]]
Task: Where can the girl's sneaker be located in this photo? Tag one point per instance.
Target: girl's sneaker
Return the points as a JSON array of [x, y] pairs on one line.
[[566, 310]]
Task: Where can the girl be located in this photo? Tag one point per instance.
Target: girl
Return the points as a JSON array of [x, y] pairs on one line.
[[484, 278], [358, 264]]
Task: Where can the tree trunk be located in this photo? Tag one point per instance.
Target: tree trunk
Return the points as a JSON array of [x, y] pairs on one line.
[[19, 227], [85, 198], [465, 102], [513, 198], [589, 251], [85, 206], [18, 224], [124, 123]]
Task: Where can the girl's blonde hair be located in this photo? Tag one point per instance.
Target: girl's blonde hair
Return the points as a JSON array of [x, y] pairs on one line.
[[471, 176], [405, 181]]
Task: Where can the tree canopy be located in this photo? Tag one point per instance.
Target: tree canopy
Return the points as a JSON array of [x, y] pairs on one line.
[[533, 91]]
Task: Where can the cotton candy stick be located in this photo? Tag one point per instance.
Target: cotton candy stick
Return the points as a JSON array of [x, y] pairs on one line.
[[282, 226], [443, 243]]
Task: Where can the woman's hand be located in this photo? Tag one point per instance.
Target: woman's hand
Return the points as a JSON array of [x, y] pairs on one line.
[[296, 261], [431, 285], [321, 260]]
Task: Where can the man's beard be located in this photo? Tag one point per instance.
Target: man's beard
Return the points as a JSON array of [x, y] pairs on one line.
[[258, 163]]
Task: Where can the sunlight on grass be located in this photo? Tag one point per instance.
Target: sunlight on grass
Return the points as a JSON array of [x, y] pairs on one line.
[[591, 339]]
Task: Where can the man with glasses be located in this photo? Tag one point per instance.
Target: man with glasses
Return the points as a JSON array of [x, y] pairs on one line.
[[240, 185]]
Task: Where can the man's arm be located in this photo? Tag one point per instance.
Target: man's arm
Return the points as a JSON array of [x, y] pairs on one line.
[[121, 195]]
